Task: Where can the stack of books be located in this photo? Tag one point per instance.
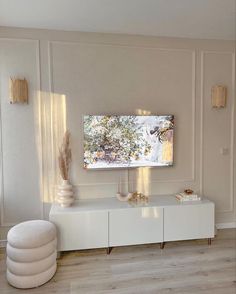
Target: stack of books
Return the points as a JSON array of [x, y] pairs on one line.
[[187, 197]]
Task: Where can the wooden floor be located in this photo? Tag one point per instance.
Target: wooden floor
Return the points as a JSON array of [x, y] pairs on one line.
[[182, 267]]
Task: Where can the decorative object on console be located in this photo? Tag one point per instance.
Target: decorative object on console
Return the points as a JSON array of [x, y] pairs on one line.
[[130, 196], [124, 198], [139, 197], [188, 191], [135, 197], [65, 190], [187, 195], [65, 195], [18, 90], [218, 96]]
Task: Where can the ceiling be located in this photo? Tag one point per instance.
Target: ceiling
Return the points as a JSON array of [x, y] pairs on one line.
[[206, 19]]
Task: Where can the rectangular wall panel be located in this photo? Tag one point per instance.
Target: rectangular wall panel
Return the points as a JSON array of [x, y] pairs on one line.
[[111, 79], [217, 148], [19, 128]]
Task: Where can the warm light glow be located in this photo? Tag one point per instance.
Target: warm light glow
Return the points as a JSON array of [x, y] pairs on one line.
[[18, 90], [143, 112], [143, 180], [167, 154], [150, 212], [218, 96], [50, 120], [143, 177]]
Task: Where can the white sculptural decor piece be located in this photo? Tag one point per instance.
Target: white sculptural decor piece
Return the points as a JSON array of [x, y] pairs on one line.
[[130, 196], [65, 195], [123, 197]]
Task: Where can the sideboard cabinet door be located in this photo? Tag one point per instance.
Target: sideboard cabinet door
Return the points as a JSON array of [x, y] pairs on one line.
[[83, 230], [185, 222], [135, 226]]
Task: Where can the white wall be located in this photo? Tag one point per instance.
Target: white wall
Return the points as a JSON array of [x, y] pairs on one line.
[[71, 74]]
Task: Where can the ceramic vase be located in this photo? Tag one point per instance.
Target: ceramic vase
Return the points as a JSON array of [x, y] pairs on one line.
[[65, 194]]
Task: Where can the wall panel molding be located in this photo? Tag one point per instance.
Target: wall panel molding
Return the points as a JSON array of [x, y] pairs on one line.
[[36, 42], [39, 86], [1, 170], [203, 54], [192, 177]]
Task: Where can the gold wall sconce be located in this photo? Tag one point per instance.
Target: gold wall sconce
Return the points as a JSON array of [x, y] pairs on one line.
[[18, 90], [218, 96]]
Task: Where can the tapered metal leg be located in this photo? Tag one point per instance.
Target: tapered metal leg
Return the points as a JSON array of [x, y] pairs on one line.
[[162, 245], [109, 250], [209, 241]]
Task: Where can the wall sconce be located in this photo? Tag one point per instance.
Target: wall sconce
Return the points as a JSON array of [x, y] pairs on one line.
[[18, 91], [218, 96]]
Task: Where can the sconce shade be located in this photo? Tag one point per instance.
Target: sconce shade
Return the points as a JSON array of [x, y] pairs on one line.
[[18, 91], [218, 96]]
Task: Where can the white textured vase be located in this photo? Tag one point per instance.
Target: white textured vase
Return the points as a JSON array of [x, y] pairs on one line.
[[65, 194]]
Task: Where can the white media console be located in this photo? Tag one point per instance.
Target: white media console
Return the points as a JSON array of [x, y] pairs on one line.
[[99, 223]]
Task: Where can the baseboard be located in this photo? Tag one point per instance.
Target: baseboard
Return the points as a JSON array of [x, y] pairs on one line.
[[226, 225], [3, 243]]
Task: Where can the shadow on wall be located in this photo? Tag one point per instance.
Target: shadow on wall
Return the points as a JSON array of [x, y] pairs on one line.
[[50, 124]]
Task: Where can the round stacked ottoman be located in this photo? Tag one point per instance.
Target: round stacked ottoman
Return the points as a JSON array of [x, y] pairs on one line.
[[31, 253]]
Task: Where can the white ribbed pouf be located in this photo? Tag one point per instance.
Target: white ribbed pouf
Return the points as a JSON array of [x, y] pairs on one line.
[[31, 253]]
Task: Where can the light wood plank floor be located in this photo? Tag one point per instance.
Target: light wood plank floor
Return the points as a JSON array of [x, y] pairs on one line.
[[182, 267]]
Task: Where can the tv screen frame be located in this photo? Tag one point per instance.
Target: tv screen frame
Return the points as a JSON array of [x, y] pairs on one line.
[[128, 141]]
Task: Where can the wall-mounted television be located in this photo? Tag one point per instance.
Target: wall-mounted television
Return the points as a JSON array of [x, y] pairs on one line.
[[124, 141]]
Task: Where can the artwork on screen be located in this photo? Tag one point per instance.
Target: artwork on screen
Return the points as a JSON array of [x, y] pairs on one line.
[[127, 141]]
